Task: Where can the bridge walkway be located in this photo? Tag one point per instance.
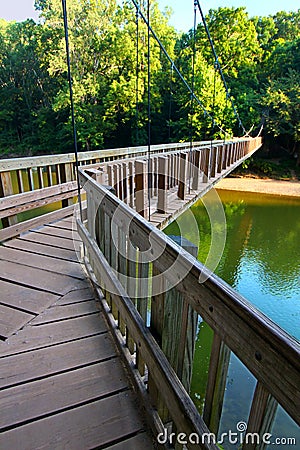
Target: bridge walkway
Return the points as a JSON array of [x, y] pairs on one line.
[[63, 384]]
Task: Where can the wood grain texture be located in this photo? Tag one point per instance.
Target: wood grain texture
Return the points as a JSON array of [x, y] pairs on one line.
[[53, 333], [24, 367], [42, 248], [89, 426], [59, 392], [50, 264], [66, 312], [11, 320], [39, 278]]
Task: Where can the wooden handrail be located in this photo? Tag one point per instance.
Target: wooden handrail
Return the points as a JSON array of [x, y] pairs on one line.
[[27, 183]]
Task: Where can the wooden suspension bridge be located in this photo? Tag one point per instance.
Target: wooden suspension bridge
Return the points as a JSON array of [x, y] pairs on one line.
[[97, 334]]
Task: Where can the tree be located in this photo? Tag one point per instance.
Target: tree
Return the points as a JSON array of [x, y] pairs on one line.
[[282, 98]]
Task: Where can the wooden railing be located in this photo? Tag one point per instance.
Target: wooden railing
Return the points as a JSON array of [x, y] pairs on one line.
[[40, 173], [144, 277], [30, 183]]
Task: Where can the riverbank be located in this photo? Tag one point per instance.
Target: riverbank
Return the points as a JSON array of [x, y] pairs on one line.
[[264, 186]]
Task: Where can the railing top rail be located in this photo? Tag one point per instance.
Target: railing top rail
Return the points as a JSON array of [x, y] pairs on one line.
[[270, 353], [46, 160]]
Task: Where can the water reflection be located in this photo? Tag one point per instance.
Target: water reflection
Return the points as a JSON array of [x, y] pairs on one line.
[[261, 261], [261, 256]]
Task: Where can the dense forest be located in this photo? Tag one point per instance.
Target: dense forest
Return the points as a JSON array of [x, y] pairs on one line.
[[259, 57]]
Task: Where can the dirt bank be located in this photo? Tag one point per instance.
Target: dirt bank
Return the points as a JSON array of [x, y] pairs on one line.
[[265, 186]]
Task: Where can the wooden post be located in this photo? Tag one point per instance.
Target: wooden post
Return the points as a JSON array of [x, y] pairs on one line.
[[6, 189], [110, 175], [179, 344], [40, 178], [131, 183], [96, 174], [125, 182], [66, 175], [162, 184], [182, 176], [205, 164], [225, 156], [156, 327], [262, 415], [115, 173], [220, 158], [196, 171], [215, 390], [141, 186], [213, 161], [155, 169]]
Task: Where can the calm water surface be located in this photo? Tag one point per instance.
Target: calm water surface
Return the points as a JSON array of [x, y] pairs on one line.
[[261, 261]]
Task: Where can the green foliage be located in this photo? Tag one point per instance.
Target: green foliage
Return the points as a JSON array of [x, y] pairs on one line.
[[260, 58]]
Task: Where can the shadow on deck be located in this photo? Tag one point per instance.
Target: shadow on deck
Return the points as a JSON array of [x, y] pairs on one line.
[[63, 384]]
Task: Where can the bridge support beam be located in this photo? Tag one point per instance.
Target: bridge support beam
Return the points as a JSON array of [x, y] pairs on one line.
[[182, 176], [141, 187], [196, 170], [163, 170]]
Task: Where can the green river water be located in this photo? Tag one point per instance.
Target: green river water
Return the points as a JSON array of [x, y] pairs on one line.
[[261, 261]]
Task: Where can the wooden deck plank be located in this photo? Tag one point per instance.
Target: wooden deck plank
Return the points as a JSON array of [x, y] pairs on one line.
[[93, 425], [139, 442], [50, 264], [59, 232], [53, 241], [62, 381], [11, 320], [60, 392], [29, 300], [23, 367], [43, 249], [40, 279], [80, 295], [64, 225], [56, 313], [32, 338]]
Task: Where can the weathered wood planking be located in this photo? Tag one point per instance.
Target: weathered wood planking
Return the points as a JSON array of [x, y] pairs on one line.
[[25, 298], [18, 203], [61, 369], [23, 367], [11, 320], [89, 426], [39, 278], [58, 232], [139, 442], [62, 391], [50, 264], [53, 241], [53, 333], [42, 248], [79, 295], [15, 230], [66, 312]]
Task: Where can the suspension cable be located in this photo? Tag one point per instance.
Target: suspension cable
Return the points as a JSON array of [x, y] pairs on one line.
[[219, 67], [170, 102], [137, 79], [149, 105], [206, 113], [64, 7], [192, 93]]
